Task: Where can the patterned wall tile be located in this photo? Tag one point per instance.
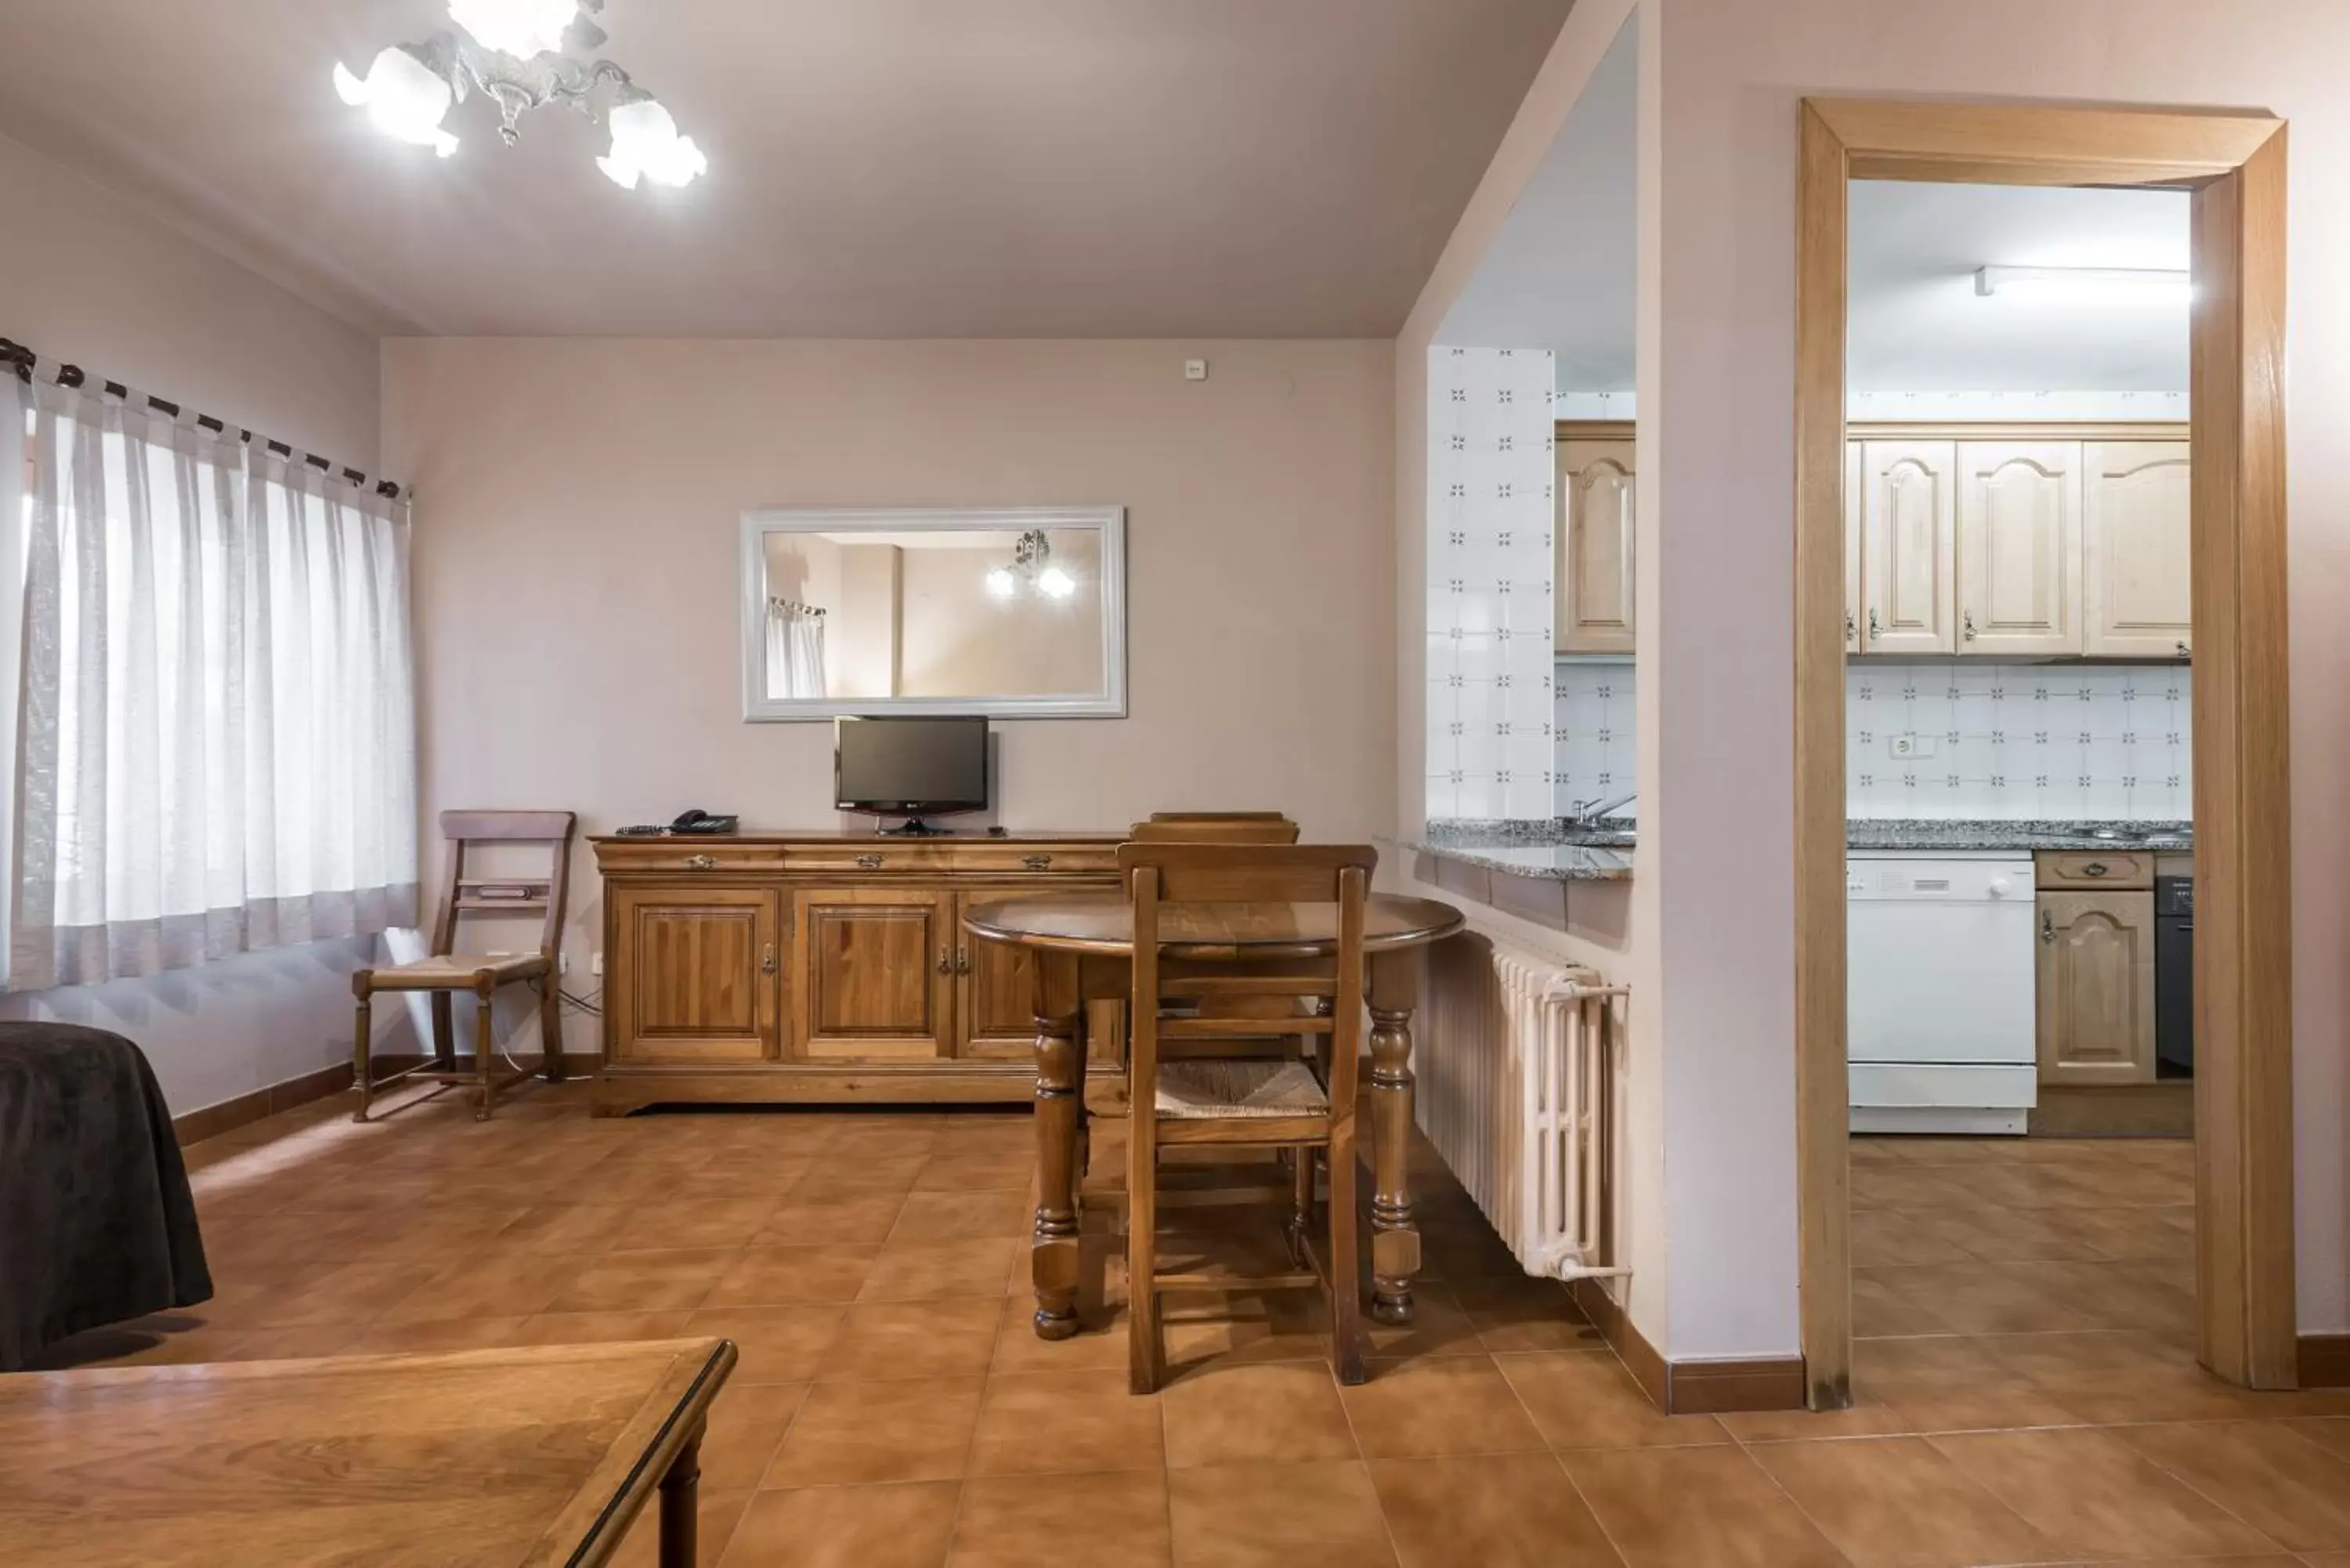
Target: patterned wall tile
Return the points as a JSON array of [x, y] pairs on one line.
[[1488, 741], [1596, 755]]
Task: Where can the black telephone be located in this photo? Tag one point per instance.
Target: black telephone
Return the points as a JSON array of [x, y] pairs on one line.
[[696, 821]]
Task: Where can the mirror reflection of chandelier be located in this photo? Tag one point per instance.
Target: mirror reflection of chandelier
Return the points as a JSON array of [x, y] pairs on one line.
[[1031, 568]]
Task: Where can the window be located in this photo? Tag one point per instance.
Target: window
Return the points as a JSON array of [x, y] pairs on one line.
[[215, 737]]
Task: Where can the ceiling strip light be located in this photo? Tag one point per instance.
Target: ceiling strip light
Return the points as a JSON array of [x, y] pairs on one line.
[[2084, 283]]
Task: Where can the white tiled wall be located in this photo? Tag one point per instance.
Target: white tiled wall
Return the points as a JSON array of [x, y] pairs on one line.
[[2067, 741], [1596, 754], [1489, 587]]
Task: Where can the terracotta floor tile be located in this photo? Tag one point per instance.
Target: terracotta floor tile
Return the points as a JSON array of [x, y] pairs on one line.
[[1110, 1519], [1897, 1503], [776, 1345], [603, 1327], [1207, 1328], [960, 1216], [976, 1172], [1584, 1399], [716, 1515], [1881, 1308], [511, 1284], [794, 1276], [2118, 1375], [2267, 1474], [1525, 1315], [852, 1434], [1950, 1382], [746, 1427], [1494, 1511], [1041, 1422], [1278, 1516], [1444, 1404], [1099, 1344], [1695, 1508], [645, 1282], [1997, 1298], [852, 1216], [903, 1526], [828, 1180], [1883, 1238], [912, 1339], [1440, 1325], [2331, 1433], [929, 1270], [1283, 1412], [2094, 1495], [727, 1222]]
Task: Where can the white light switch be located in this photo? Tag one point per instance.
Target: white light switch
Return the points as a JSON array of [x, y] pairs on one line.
[[1195, 369]]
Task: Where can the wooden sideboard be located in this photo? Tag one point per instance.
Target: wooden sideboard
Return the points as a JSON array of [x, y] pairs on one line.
[[794, 967]]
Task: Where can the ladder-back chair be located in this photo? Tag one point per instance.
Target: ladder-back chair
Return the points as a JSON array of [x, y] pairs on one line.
[[1208, 924], [445, 973], [1214, 828]]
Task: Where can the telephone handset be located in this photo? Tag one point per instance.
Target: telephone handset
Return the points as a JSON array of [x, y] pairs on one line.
[[690, 823]]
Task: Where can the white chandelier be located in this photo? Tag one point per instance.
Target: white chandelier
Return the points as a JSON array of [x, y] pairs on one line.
[[1032, 567], [512, 51]]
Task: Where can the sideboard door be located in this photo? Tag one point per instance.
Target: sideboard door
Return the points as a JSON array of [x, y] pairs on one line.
[[695, 975], [875, 970], [999, 1001]]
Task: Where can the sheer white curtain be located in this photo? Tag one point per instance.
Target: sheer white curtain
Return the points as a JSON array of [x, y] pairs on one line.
[[794, 650], [217, 731]]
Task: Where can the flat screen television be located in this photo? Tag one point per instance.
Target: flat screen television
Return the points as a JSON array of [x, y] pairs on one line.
[[912, 768]]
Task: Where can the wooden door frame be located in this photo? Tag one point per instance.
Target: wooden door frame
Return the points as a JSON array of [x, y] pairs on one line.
[[2234, 167]]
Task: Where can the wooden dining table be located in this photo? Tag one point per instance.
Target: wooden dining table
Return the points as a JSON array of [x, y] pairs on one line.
[[1081, 951], [536, 1457]]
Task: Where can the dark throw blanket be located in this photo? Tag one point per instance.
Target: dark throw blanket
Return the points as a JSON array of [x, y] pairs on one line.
[[96, 1223]]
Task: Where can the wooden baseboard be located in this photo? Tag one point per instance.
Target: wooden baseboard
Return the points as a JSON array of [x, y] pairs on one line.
[[211, 1121], [2326, 1361], [1691, 1387], [2165, 1109]]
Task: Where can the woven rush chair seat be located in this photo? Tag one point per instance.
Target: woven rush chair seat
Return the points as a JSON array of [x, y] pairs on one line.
[[456, 969], [1207, 1088]]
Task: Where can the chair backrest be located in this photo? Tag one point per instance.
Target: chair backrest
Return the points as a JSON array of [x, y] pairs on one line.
[[1254, 885], [1214, 828], [463, 894]]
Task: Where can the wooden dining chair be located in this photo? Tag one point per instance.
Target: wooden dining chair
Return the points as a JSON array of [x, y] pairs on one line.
[[1214, 828], [446, 972], [1192, 903]]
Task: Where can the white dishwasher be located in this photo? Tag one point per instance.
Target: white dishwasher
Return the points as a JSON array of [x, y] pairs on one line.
[[1940, 1020]]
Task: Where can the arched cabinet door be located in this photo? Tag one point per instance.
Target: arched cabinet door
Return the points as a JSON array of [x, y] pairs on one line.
[[1597, 549], [2095, 987], [1909, 507], [2019, 549], [2136, 549]]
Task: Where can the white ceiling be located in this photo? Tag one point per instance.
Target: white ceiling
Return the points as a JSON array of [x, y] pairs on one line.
[[878, 168], [1916, 322], [1562, 272]]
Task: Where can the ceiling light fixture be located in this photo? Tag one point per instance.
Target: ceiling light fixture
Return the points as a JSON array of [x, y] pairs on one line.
[[2087, 285], [1032, 565], [512, 53]]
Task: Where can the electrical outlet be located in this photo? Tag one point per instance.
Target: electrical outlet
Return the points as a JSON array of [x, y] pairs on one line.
[[1913, 744], [595, 965], [563, 963], [1195, 369]]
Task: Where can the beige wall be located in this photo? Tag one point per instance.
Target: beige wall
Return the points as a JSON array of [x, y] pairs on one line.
[[960, 640], [87, 277], [577, 511], [1720, 450]]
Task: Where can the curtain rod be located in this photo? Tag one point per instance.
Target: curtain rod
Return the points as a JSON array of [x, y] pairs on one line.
[[24, 360]]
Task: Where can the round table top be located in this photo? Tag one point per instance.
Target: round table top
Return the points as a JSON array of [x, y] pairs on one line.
[[1105, 924]]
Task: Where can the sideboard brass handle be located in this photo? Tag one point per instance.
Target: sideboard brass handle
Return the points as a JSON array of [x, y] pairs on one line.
[[767, 959], [701, 863], [2096, 868], [962, 961], [1036, 862], [868, 862], [946, 961]]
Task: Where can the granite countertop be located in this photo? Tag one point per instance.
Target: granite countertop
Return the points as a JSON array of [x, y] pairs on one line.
[[1560, 851]]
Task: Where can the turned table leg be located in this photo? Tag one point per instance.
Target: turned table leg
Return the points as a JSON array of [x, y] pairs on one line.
[[1060, 1130], [1395, 1236], [680, 1507]]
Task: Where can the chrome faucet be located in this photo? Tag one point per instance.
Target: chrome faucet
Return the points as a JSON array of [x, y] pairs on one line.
[[1586, 813]]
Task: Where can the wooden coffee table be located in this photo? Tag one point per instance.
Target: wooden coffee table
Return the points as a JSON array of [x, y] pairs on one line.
[[522, 1458]]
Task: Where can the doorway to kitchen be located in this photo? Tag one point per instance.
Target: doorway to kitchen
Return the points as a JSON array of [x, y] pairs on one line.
[[1980, 951]]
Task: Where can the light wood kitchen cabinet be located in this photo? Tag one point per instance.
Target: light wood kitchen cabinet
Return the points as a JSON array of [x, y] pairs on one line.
[[2096, 987], [2019, 549], [1596, 547], [1909, 508], [877, 968], [693, 979], [1852, 587], [2136, 549]]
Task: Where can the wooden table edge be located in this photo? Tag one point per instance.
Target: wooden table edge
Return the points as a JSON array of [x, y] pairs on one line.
[[675, 1416], [1395, 942]]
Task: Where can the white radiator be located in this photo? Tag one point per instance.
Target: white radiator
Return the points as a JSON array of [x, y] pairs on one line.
[[1519, 1091]]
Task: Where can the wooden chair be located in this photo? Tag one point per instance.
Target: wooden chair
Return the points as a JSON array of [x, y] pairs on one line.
[[445, 972], [1284, 1104], [1214, 828]]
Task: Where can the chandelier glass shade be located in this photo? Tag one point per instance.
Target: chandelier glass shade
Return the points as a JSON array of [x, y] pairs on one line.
[[513, 52], [1031, 567]]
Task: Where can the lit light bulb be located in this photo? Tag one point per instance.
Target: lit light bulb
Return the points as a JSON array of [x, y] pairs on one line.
[[1056, 584], [645, 142], [1000, 583], [404, 98], [522, 29]]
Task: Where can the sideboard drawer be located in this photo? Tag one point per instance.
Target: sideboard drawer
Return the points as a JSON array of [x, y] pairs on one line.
[[2096, 868], [1013, 860], [688, 855]]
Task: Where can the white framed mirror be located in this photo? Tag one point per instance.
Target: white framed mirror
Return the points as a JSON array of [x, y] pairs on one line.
[[1006, 612]]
